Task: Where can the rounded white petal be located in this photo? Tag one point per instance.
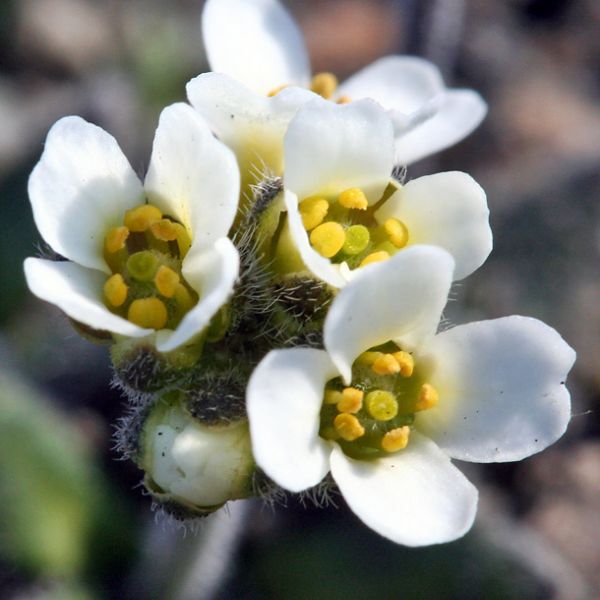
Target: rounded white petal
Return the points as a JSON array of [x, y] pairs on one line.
[[193, 176], [331, 147], [459, 113], [400, 299], [78, 292], [320, 266], [253, 126], [501, 387], [284, 398], [402, 83], [415, 497], [447, 210], [212, 272], [256, 42], [80, 188]]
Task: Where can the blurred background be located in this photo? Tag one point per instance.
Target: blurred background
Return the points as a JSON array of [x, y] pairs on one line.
[[74, 522]]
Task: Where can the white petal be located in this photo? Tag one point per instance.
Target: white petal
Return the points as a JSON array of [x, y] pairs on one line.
[[252, 126], [501, 386], [447, 210], [460, 112], [400, 299], [192, 176], [415, 497], [256, 42], [331, 147], [403, 83], [322, 267], [77, 291], [80, 188], [284, 398], [212, 272]]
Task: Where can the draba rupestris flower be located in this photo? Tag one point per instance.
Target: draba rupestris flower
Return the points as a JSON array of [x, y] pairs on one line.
[[257, 43], [142, 259], [343, 209], [388, 403]]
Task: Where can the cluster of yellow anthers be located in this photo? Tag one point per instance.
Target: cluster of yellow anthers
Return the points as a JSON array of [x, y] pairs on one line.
[[145, 256], [345, 229], [372, 417], [324, 84]]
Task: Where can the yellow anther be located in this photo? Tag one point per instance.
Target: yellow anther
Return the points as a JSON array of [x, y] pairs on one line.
[[374, 257], [348, 427], [115, 290], [368, 358], [353, 198], [115, 239], [351, 401], [428, 397], [396, 439], [164, 230], [344, 100], [382, 405], [397, 232], [324, 84], [183, 298], [183, 239], [385, 364], [357, 239], [141, 217], [149, 313], [332, 396], [313, 210], [406, 362], [276, 90], [166, 281], [328, 238], [142, 266]]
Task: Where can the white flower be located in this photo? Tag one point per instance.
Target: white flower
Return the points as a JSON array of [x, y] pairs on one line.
[[343, 209], [136, 267], [387, 404], [198, 466], [257, 43]]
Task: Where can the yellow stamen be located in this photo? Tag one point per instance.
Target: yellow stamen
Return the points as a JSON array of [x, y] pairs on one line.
[[406, 362], [313, 210], [344, 100], [357, 239], [382, 405], [351, 402], [328, 238], [183, 298], [374, 257], [183, 239], [324, 84], [353, 198], [428, 397], [141, 217], [368, 358], [115, 290], [276, 90], [142, 266], [332, 396], [166, 281], [115, 239], [149, 313], [385, 364], [397, 232], [396, 439], [164, 230], [348, 427]]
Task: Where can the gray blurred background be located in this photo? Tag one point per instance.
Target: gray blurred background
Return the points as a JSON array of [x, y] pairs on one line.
[[73, 521]]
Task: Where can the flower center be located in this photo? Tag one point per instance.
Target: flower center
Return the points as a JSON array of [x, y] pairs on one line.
[[324, 84], [373, 416], [344, 229], [145, 256]]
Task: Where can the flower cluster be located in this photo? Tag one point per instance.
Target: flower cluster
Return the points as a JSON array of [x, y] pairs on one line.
[[273, 290]]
